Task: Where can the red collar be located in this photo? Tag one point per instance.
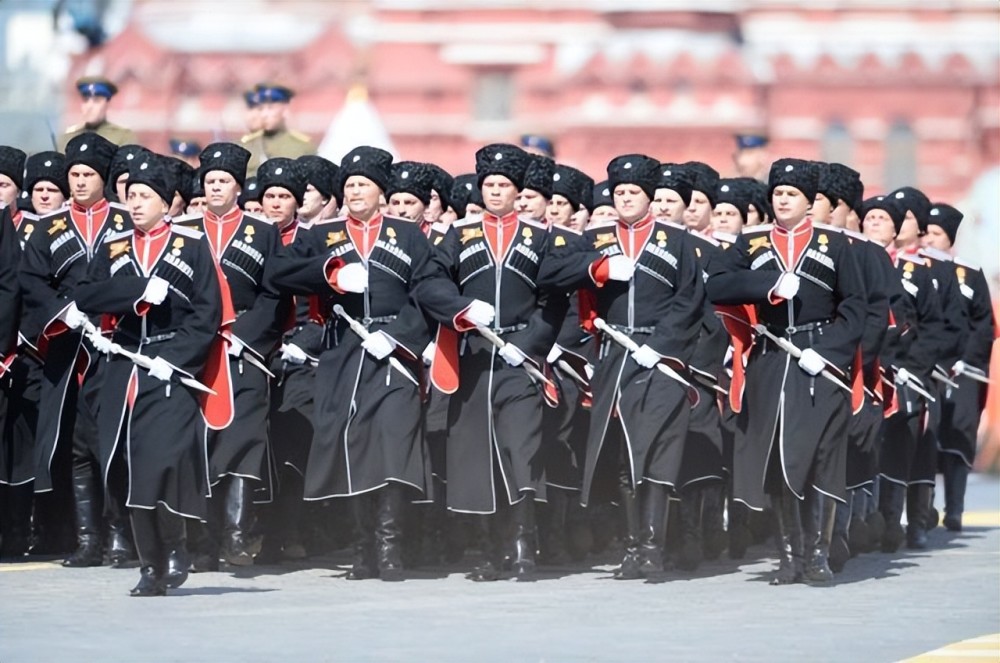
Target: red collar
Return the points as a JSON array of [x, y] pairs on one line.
[[158, 231], [641, 224], [804, 226], [235, 214], [506, 219], [365, 225], [96, 208]]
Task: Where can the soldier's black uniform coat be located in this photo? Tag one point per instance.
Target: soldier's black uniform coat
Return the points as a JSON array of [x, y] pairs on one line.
[[639, 419], [367, 418], [792, 425], [10, 309], [495, 415], [245, 248], [915, 344], [161, 429], [55, 258]]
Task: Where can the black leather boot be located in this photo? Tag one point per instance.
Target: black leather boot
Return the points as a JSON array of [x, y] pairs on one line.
[[713, 531], [891, 499], [15, 522], [859, 535], [629, 505], [145, 531], [818, 517], [918, 502], [525, 540], [740, 536], [956, 477], [87, 503], [579, 535], [493, 534], [365, 564], [653, 525], [553, 535], [840, 551], [690, 555], [388, 532], [789, 538], [173, 537], [241, 540]]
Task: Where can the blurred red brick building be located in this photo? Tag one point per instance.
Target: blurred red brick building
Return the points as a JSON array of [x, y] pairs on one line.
[[904, 95]]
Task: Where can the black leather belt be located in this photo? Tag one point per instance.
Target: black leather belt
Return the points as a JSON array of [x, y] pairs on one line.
[[632, 330], [790, 331]]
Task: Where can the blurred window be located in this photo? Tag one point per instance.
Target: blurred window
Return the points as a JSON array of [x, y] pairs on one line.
[[837, 146], [900, 156], [494, 94]]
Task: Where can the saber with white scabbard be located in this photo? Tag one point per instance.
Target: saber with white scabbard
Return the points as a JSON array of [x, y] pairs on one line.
[[626, 342], [500, 344], [363, 333]]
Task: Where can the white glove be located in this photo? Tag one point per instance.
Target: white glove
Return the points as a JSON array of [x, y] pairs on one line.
[[160, 369], [646, 357], [156, 291], [102, 344], [73, 317], [379, 345], [512, 354], [787, 285], [554, 354], [293, 354], [235, 347], [903, 376], [620, 268], [959, 368], [811, 362], [352, 277], [480, 313], [428, 354]]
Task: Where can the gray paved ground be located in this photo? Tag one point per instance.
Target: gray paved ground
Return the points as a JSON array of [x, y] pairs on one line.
[[882, 608]]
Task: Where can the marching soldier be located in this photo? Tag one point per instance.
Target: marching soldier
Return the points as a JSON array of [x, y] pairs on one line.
[[673, 193], [368, 439], [409, 192], [160, 283], [244, 248], [118, 171], [321, 199], [537, 190], [14, 530], [644, 286], [95, 95], [495, 328], [273, 138], [962, 406], [602, 205], [185, 150], [571, 194], [45, 182], [704, 184], [797, 287], [56, 258], [440, 194]]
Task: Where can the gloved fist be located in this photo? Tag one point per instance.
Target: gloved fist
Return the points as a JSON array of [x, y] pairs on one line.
[[379, 345], [156, 291], [160, 369], [787, 285], [352, 277], [480, 313], [293, 354], [811, 362], [102, 344], [73, 317], [236, 347], [959, 368], [512, 354], [428, 354], [903, 376], [620, 268], [646, 357]]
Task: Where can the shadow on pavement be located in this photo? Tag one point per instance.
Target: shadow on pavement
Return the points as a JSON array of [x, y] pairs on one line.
[[216, 591]]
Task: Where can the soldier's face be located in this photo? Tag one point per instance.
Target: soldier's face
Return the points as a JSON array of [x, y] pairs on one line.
[[177, 205], [252, 118], [935, 238], [852, 222], [145, 206], [120, 184], [253, 207], [910, 232], [472, 208], [499, 195], [631, 202], [434, 210], [603, 214], [313, 203], [726, 218], [197, 205], [532, 204], [878, 227], [94, 109], [221, 191], [753, 216], [448, 217], [279, 205], [46, 197], [668, 204], [406, 206], [698, 215], [362, 197], [821, 209], [750, 162], [85, 185], [272, 116], [8, 190], [839, 215], [790, 205], [560, 211]]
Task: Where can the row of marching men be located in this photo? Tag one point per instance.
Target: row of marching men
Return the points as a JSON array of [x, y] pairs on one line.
[[485, 348]]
